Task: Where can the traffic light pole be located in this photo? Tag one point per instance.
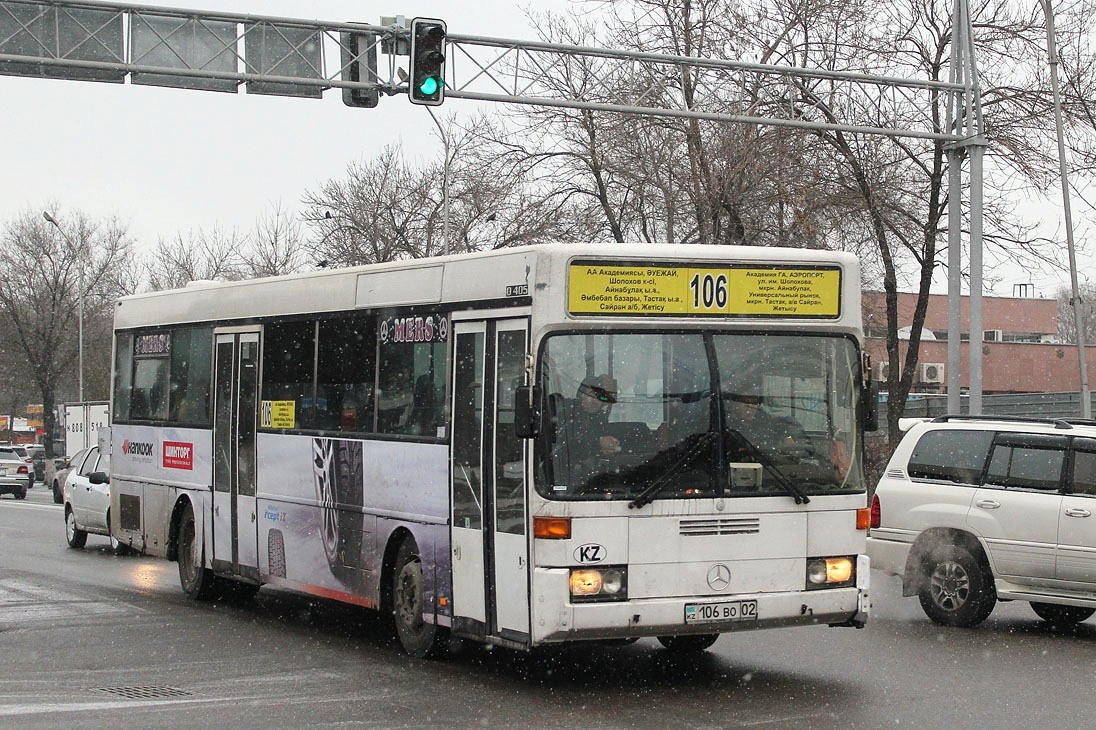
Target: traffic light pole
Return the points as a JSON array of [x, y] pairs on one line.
[[445, 181]]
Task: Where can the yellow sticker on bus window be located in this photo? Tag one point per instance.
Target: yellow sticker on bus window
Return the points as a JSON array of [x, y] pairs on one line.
[[277, 414], [742, 291]]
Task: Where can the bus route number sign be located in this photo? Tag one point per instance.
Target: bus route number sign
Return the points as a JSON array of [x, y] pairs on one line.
[[746, 290], [705, 613]]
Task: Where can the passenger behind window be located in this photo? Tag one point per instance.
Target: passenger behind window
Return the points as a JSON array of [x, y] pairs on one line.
[[423, 420], [394, 401], [191, 406]]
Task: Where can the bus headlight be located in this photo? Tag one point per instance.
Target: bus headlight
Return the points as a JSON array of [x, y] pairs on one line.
[[837, 572], [599, 584]]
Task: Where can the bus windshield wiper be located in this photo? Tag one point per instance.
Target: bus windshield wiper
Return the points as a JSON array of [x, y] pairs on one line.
[[788, 485], [658, 483]]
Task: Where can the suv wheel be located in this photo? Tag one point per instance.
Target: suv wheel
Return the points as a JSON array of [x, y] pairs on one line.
[[957, 591], [1057, 614]]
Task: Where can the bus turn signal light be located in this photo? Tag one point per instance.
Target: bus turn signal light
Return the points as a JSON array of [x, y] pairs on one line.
[[863, 519], [552, 528]]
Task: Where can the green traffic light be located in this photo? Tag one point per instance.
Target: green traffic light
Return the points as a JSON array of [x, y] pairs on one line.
[[430, 85]]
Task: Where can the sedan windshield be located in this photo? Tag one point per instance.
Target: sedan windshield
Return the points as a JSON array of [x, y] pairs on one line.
[[643, 416]]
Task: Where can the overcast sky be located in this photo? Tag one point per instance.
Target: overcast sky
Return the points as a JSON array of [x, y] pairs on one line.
[[171, 160], [168, 161]]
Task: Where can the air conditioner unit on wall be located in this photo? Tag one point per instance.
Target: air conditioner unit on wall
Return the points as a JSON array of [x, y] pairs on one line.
[[882, 370], [932, 372]]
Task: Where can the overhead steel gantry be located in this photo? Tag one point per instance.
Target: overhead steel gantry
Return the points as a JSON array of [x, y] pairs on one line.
[[210, 50]]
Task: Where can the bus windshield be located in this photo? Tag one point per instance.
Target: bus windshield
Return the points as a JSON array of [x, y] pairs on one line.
[[641, 416]]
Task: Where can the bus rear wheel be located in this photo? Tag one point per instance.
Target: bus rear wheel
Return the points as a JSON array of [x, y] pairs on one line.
[[688, 644], [418, 638], [197, 581]]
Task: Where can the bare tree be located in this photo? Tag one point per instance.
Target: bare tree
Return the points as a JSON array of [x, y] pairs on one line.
[[388, 209], [277, 245], [200, 255], [43, 272], [1067, 312], [380, 212]]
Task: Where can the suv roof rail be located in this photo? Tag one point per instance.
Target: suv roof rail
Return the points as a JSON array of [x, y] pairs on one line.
[[1056, 422]]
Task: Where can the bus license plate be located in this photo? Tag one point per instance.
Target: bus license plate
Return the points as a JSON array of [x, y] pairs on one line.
[[702, 613]]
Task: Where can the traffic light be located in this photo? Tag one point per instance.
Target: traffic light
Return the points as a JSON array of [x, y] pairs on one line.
[[427, 82]]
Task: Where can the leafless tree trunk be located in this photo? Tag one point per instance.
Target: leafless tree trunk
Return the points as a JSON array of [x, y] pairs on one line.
[[42, 274]]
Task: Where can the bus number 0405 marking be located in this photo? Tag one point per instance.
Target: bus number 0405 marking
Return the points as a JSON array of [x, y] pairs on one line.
[[709, 291]]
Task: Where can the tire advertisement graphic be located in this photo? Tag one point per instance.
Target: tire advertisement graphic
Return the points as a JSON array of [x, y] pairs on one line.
[[337, 472]]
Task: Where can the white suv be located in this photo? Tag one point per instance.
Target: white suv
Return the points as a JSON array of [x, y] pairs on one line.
[[972, 510]]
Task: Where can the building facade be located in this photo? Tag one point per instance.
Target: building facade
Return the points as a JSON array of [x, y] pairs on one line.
[[1022, 351]]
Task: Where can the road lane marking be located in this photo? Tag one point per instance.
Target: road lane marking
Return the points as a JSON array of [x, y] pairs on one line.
[[43, 507]]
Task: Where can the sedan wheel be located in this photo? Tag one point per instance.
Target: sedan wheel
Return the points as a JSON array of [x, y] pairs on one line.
[[76, 537]]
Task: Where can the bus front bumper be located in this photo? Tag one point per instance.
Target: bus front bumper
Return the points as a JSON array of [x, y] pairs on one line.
[[667, 616]]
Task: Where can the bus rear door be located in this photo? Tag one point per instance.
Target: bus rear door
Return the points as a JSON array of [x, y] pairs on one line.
[[489, 540], [235, 547]]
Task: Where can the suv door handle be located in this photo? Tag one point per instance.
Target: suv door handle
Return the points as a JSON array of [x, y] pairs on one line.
[[987, 504], [1077, 512]]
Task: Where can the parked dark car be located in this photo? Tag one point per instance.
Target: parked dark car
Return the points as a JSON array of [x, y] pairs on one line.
[[38, 459]]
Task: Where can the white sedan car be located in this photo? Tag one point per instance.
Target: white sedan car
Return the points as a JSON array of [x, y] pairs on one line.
[[87, 499]]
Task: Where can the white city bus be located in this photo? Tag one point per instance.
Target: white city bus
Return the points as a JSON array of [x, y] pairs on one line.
[[408, 437]]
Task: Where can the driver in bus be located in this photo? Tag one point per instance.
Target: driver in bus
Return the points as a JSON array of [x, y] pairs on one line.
[[588, 443]]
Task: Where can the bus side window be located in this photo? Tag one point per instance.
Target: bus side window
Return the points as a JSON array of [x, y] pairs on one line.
[[345, 374], [288, 355], [408, 398]]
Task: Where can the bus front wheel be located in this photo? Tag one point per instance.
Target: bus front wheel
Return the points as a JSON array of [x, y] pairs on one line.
[[418, 638], [197, 581]]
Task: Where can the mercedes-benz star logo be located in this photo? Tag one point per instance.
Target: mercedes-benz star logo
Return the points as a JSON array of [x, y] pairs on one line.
[[719, 577]]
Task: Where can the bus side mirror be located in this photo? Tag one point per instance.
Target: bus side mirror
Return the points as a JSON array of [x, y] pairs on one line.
[[869, 405], [527, 411]]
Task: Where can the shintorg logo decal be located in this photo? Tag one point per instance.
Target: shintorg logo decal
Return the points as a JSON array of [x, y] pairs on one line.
[[137, 448], [178, 455], [590, 553]]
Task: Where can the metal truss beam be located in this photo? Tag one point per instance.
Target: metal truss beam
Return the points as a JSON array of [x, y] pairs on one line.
[[545, 74]]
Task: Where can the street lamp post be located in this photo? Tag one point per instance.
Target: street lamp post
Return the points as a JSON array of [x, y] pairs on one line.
[[80, 305]]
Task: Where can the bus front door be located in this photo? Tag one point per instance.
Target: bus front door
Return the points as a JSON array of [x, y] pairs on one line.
[[235, 513], [489, 521]]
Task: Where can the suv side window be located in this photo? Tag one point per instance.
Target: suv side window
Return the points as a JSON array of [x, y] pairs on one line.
[[952, 455], [1083, 478], [1027, 461]]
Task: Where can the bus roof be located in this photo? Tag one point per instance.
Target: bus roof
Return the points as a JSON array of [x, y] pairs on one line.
[[507, 274]]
